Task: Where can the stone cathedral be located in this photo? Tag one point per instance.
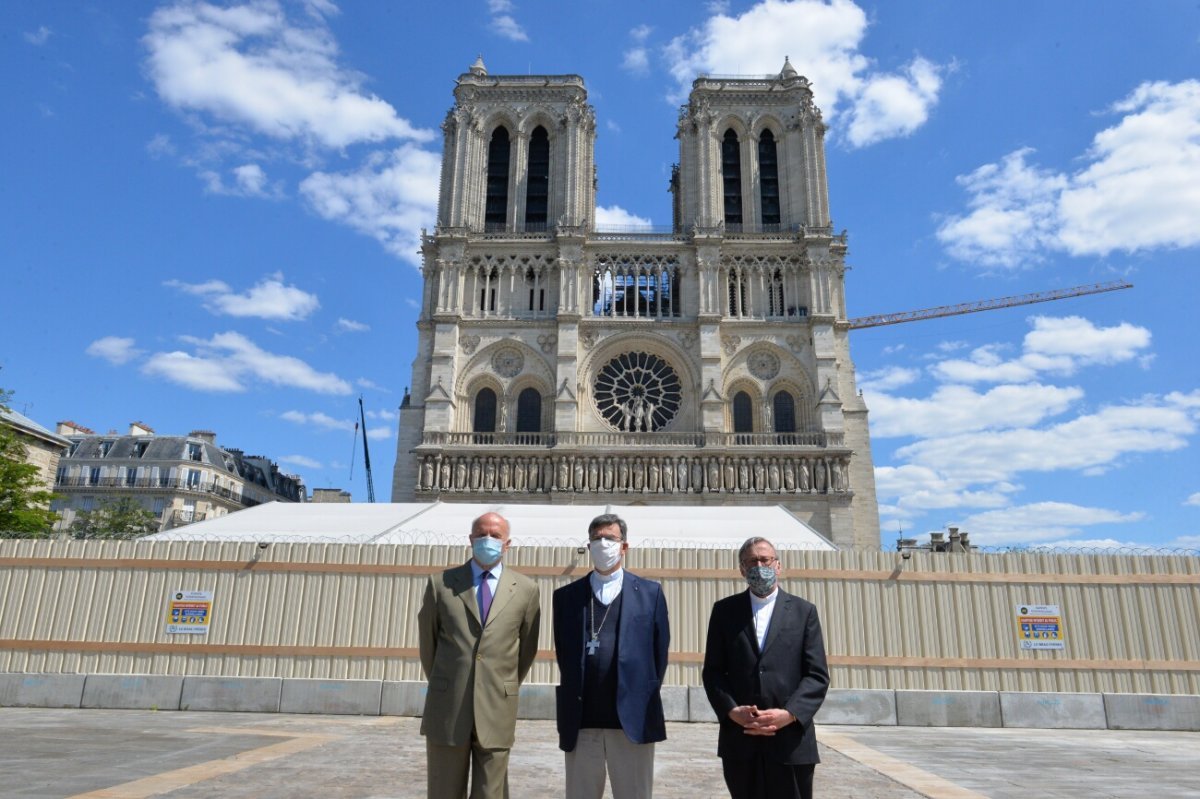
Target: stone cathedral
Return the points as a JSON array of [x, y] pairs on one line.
[[704, 364]]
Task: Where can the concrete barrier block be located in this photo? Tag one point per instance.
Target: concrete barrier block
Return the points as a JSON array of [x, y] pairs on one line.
[[403, 698], [1053, 711], [336, 697], [948, 709], [132, 691], [248, 694], [1152, 712], [41, 690], [845, 706], [698, 707], [537, 702], [675, 702]]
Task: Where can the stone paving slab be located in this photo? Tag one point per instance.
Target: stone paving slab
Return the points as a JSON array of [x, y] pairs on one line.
[[195, 755]]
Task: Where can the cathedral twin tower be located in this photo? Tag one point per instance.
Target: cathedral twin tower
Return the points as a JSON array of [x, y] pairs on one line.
[[559, 363]]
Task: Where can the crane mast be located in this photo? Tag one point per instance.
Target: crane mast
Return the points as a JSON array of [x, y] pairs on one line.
[[879, 320], [366, 453]]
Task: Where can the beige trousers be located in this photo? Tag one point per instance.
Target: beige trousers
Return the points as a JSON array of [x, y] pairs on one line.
[[630, 766], [447, 768]]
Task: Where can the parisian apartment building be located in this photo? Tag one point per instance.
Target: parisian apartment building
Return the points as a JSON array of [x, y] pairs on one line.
[[181, 479]]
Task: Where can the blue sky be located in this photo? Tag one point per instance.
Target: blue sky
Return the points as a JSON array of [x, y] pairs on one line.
[[209, 216]]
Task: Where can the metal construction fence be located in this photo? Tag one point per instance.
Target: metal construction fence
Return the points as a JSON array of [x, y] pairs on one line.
[[329, 610]]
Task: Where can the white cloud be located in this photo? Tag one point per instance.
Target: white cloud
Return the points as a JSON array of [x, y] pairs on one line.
[[160, 145], [227, 361], [888, 378], [375, 433], [301, 461], [363, 382], [1039, 522], [1194, 499], [1186, 542], [822, 40], [1055, 345], [614, 216], [250, 65], [955, 409], [504, 24], [351, 326], [1138, 190], [890, 106], [38, 37], [319, 420], [114, 349], [389, 198], [385, 415], [247, 180], [636, 61], [270, 298]]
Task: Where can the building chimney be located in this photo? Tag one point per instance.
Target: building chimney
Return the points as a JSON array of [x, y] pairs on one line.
[[69, 428], [204, 435], [140, 429]]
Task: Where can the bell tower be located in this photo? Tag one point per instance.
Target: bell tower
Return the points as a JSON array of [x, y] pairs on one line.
[[705, 363]]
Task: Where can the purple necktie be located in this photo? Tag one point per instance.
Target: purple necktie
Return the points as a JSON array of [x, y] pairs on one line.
[[485, 596]]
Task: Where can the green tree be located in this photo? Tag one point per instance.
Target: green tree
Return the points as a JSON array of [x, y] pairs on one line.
[[24, 503], [123, 517]]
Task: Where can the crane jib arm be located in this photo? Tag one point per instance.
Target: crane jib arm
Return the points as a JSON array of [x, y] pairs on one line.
[[879, 320]]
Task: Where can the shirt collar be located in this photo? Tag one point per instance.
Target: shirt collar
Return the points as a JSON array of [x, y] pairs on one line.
[[758, 602], [599, 579], [477, 570]]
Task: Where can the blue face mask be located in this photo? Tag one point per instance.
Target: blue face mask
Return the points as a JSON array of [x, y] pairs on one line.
[[761, 579], [487, 550]]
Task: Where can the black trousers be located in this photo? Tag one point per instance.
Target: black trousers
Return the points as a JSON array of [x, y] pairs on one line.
[[759, 778]]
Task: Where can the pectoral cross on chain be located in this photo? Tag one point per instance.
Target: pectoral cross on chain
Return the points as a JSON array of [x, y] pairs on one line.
[[593, 645]]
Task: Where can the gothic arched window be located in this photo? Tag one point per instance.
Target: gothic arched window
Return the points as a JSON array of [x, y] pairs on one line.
[[731, 170], [775, 294], [485, 412], [496, 209], [784, 412], [537, 189], [743, 413], [529, 411], [768, 179]]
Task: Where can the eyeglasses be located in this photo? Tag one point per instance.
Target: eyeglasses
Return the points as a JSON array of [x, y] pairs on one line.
[[766, 560]]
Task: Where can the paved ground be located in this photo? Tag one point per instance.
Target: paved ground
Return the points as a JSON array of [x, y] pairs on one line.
[[127, 754]]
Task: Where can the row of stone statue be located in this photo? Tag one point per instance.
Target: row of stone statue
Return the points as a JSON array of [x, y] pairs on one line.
[[621, 474]]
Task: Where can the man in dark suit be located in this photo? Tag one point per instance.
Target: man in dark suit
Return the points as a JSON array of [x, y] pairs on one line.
[[610, 637], [765, 676], [478, 627]]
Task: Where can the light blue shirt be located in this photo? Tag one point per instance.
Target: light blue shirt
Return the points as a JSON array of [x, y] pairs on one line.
[[494, 573]]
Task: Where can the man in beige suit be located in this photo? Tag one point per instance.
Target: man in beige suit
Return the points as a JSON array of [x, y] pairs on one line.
[[479, 634]]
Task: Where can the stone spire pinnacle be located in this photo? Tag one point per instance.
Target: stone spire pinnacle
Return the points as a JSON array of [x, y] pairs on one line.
[[478, 68], [788, 70]]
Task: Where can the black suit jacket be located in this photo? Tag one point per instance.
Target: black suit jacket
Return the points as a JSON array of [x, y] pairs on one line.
[[790, 673], [643, 635]]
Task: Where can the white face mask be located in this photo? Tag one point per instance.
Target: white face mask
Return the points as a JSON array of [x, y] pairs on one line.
[[605, 553]]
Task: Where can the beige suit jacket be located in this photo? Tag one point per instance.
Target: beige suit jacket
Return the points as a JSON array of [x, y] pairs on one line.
[[474, 671]]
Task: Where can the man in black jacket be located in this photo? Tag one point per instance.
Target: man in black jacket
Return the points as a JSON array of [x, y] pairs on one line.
[[765, 676]]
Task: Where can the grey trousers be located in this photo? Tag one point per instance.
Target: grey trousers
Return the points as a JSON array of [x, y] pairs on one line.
[[629, 766]]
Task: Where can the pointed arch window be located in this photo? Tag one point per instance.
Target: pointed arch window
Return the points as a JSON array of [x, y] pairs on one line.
[[537, 188], [784, 412], [768, 180], [485, 412], [743, 414], [496, 208], [529, 415], [775, 294], [731, 170]]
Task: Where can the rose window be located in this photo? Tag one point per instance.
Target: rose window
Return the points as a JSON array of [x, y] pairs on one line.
[[637, 392]]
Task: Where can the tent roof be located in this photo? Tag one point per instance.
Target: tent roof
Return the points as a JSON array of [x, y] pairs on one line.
[[442, 522]]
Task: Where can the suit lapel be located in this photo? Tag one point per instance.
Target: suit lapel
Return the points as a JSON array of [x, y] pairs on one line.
[[464, 585], [505, 590], [745, 618], [779, 617]]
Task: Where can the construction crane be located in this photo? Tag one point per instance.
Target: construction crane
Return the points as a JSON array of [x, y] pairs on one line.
[[879, 320], [366, 452]]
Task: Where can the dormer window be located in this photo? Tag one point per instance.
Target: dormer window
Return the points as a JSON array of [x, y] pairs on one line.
[[139, 449], [194, 451], [105, 448]]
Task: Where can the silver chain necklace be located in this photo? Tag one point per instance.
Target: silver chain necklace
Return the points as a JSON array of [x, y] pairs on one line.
[[594, 643]]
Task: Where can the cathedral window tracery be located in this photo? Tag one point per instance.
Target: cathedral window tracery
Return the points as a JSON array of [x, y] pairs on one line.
[[731, 170], [537, 191], [496, 205], [768, 182], [637, 392]]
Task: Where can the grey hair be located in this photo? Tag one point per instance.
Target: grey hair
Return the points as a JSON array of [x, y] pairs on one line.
[[604, 520], [751, 541]]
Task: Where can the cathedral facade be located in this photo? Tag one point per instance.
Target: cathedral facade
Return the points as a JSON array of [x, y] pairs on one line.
[[704, 364]]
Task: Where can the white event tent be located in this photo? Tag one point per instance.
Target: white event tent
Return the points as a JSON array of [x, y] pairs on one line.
[[708, 527]]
